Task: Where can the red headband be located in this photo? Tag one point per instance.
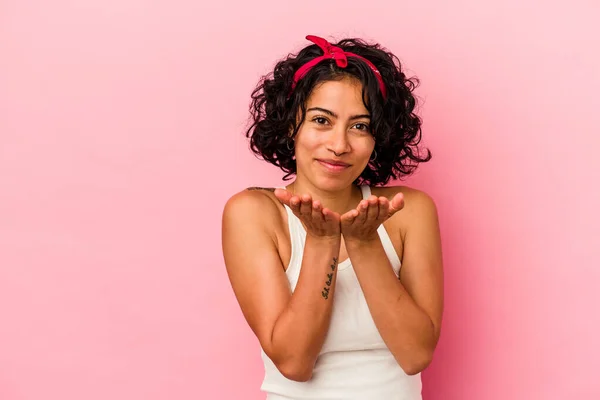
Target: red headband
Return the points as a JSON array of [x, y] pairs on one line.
[[339, 55]]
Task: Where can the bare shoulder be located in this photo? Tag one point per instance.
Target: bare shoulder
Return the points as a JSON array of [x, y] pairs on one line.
[[252, 204], [252, 224]]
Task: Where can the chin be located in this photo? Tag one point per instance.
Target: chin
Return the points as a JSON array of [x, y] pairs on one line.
[[333, 183]]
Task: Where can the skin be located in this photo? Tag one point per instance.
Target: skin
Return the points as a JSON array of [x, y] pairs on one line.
[[291, 327]]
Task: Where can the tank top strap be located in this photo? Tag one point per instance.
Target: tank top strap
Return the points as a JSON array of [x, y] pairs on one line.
[[297, 239], [366, 191], [295, 226]]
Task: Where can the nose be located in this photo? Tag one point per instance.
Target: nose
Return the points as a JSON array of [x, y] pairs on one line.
[[338, 141]]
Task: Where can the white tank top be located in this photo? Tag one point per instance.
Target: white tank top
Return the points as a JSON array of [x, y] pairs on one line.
[[354, 362]]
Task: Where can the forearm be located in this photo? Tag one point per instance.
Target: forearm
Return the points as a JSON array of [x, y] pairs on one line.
[[406, 329], [300, 330]]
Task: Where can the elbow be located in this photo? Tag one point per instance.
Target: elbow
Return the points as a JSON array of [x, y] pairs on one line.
[[293, 365], [418, 364], [299, 372]]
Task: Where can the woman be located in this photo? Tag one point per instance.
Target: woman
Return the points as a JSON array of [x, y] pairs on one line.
[[315, 265]]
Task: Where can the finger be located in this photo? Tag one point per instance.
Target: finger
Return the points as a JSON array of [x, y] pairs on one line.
[[295, 205], [384, 208], [327, 215], [306, 205], [283, 196], [373, 209], [317, 211], [362, 212], [349, 217], [396, 204], [331, 216]]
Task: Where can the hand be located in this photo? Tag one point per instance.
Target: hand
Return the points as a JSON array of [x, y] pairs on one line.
[[319, 222], [362, 222]]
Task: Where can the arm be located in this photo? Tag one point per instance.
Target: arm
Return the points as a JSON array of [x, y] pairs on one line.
[[407, 312], [290, 327]]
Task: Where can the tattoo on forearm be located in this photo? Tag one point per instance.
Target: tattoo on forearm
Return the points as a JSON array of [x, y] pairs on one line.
[[325, 292], [261, 188]]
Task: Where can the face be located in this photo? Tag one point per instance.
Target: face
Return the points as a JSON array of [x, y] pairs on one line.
[[334, 143]]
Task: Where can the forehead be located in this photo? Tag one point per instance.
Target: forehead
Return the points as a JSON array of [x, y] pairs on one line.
[[343, 95]]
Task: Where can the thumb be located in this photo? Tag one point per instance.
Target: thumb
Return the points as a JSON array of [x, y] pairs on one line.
[[396, 204]]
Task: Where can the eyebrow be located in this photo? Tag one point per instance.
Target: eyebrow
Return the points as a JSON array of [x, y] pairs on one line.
[[326, 111]]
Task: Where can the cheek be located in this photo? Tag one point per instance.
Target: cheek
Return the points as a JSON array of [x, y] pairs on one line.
[[308, 143], [363, 146]]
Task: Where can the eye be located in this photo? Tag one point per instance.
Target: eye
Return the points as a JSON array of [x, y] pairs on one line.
[[320, 120], [363, 127]]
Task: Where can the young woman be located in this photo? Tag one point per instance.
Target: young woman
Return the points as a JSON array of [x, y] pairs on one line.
[[316, 265]]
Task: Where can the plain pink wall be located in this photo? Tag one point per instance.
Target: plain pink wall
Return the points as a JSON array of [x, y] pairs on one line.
[[121, 137]]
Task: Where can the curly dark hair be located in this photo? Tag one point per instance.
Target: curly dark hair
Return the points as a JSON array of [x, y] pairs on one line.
[[395, 127]]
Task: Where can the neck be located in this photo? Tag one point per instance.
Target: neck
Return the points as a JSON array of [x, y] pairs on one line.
[[339, 201]]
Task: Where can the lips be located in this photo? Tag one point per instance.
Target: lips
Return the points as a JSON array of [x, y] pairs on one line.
[[334, 162], [333, 165]]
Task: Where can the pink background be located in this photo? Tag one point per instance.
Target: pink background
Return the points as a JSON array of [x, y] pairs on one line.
[[121, 138]]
